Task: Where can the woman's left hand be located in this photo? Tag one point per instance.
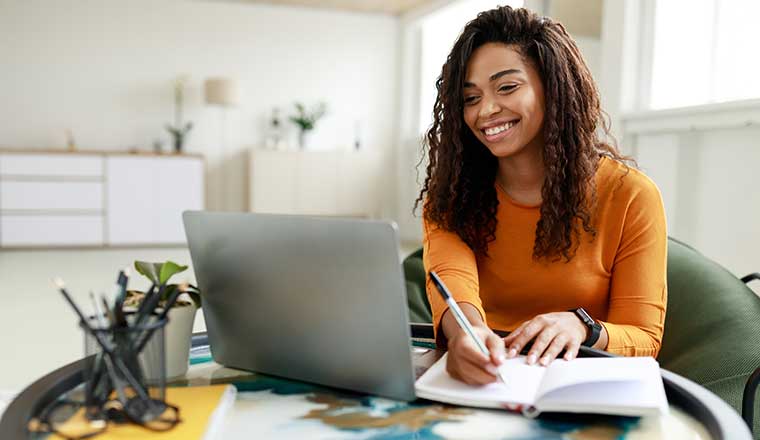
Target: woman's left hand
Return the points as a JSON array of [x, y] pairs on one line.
[[551, 333]]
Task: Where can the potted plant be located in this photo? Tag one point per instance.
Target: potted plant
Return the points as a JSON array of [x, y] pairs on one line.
[[179, 130], [306, 120], [179, 329]]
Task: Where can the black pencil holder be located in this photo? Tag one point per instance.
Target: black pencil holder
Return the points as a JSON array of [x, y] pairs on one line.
[[126, 380]]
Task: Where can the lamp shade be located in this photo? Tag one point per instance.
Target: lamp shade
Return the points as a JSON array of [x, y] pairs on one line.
[[220, 91]]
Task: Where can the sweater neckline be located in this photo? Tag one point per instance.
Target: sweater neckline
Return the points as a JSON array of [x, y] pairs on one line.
[[513, 201]]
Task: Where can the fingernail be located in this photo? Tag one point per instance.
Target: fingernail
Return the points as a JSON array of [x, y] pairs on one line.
[[492, 369], [531, 359], [512, 353], [502, 358], [545, 361]]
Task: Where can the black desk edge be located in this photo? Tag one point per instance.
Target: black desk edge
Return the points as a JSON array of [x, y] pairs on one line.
[[718, 418]]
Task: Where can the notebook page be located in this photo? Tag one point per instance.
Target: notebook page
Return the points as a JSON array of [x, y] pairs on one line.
[[524, 380], [631, 398], [562, 373]]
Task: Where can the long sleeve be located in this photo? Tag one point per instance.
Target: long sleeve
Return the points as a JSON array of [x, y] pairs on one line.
[[446, 254], [638, 288]]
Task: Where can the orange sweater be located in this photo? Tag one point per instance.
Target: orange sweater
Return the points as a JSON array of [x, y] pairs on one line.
[[619, 277]]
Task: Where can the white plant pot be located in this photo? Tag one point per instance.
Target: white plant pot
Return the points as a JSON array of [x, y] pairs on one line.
[[177, 337]]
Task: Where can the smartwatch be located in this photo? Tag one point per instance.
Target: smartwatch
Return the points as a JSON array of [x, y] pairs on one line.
[[595, 329]]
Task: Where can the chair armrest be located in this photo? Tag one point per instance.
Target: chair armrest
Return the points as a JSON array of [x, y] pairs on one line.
[[751, 277], [748, 400]]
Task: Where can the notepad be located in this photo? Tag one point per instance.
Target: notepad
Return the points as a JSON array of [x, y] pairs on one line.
[[202, 411], [629, 386]]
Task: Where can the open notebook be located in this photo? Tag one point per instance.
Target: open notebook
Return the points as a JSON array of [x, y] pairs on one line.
[[620, 386]]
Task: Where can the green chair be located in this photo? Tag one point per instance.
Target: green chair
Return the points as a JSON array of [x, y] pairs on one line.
[[712, 325], [414, 272]]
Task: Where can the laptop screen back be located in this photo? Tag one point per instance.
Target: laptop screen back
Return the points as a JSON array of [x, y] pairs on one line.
[[315, 299]]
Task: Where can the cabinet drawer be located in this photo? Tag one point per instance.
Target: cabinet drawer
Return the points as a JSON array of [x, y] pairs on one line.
[[51, 165], [22, 195], [44, 230], [146, 197]]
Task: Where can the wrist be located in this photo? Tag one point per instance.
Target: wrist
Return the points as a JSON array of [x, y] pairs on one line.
[[584, 329], [593, 328], [450, 329], [478, 328]]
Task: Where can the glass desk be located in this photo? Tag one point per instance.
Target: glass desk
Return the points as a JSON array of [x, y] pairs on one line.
[[271, 407]]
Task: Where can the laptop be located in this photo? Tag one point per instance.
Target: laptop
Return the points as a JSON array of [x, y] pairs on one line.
[[315, 299]]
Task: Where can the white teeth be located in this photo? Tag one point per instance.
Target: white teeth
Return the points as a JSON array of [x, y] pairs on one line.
[[496, 130]]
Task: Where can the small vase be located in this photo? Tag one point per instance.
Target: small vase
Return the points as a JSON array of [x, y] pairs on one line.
[[304, 138], [179, 141]]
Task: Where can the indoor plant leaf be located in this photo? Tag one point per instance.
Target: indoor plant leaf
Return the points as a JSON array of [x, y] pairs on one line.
[[167, 270], [195, 294], [149, 270], [160, 273], [195, 297]]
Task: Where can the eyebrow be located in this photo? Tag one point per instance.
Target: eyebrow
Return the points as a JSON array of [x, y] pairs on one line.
[[495, 76]]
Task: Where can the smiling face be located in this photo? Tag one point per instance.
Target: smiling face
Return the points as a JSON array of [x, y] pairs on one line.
[[503, 100]]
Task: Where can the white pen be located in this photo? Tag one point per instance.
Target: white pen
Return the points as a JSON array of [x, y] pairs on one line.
[[461, 319]]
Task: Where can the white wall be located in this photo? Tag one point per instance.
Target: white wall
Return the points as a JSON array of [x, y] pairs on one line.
[[709, 183], [620, 62], [104, 68]]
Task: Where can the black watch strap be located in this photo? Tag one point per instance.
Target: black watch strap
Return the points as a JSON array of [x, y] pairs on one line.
[[595, 329]]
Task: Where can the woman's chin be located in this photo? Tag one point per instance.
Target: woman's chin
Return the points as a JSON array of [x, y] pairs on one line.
[[504, 149]]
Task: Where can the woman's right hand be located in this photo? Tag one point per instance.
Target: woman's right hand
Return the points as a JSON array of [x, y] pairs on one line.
[[465, 361]]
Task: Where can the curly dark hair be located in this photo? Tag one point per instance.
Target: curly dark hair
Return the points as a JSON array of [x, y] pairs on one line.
[[459, 193]]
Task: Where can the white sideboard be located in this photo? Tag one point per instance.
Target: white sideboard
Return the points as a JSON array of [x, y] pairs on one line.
[[335, 183], [50, 199]]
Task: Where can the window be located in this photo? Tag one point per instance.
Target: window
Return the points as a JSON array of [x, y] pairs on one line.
[[439, 31], [703, 52]]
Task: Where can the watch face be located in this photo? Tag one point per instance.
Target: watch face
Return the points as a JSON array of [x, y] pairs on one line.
[[585, 317]]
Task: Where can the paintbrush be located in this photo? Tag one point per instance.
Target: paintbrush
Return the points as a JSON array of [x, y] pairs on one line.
[[97, 370], [62, 288], [120, 294], [167, 306], [148, 305]]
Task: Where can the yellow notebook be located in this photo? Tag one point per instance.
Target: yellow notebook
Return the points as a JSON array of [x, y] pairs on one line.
[[202, 411]]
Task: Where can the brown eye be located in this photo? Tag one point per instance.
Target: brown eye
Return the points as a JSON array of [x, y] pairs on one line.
[[470, 99], [507, 88]]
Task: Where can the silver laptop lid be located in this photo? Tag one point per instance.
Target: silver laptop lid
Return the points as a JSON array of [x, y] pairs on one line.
[[315, 299]]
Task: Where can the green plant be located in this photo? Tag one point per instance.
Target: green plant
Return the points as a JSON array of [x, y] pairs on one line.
[[160, 273], [307, 119], [179, 130]]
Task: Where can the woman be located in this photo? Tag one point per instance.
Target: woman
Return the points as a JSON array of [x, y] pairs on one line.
[[536, 225]]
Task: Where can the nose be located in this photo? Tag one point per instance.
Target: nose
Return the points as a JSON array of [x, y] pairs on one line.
[[489, 107]]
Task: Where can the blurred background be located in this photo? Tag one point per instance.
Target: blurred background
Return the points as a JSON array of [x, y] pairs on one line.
[[117, 115]]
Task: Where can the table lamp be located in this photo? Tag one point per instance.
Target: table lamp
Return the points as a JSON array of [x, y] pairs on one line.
[[221, 92]]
